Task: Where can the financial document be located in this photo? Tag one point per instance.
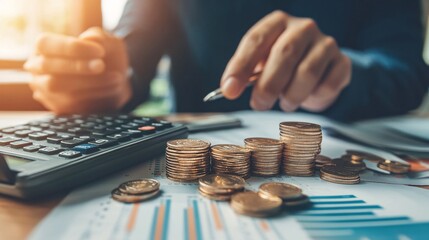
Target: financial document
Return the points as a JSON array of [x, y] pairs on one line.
[[363, 211]]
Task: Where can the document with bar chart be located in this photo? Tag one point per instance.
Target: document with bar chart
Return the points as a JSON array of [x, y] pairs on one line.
[[363, 211]]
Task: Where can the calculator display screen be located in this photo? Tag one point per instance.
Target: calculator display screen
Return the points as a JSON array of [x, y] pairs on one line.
[[13, 162]]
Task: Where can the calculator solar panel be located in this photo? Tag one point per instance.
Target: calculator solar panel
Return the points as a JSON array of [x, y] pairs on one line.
[[65, 151]]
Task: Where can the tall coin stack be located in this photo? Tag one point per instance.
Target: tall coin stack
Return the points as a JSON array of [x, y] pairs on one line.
[[187, 159], [266, 155], [302, 145], [231, 159]]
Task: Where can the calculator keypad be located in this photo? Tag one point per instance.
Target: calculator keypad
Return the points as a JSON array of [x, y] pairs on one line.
[[74, 136]]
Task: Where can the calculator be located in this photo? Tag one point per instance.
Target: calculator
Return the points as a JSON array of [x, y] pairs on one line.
[[61, 152]]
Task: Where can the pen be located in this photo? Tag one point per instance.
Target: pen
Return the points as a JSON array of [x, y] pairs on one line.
[[217, 94]]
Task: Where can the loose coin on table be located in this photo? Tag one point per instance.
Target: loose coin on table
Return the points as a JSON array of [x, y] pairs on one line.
[[364, 155], [255, 205], [394, 167], [291, 195], [220, 186], [302, 145], [187, 159], [266, 155], [136, 190], [336, 174], [349, 164], [231, 159]]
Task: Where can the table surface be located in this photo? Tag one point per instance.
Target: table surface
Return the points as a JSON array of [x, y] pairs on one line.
[[17, 217]]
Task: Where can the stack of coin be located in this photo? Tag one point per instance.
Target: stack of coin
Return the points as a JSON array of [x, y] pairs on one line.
[[347, 163], [302, 145], [136, 190], [187, 159], [255, 205], [322, 160], [394, 167], [231, 159], [291, 195], [266, 155], [220, 187], [336, 174]]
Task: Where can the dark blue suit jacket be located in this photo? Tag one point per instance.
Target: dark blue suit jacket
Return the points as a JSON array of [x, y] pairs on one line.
[[382, 37]]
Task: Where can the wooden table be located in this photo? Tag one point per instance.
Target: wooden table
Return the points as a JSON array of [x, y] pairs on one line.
[[18, 218]]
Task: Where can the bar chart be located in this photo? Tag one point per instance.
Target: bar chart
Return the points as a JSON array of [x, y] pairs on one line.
[[364, 211]]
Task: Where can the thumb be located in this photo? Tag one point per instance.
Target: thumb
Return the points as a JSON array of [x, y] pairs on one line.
[[116, 55]]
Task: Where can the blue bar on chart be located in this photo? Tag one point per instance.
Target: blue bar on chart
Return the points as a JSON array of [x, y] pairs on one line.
[[330, 218], [160, 221]]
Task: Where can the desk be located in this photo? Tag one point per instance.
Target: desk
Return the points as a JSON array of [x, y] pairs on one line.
[[18, 218]]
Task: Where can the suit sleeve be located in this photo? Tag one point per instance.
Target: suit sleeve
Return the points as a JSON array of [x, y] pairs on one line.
[[145, 27], [389, 76]]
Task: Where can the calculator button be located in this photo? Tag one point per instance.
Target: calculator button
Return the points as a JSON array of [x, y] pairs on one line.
[[50, 150], [158, 126], [86, 148], [103, 143], [60, 137], [6, 140], [130, 126], [166, 124], [19, 144], [113, 130], [49, 133], [44, 125], [147, 129], [38, 135], [23, 133], [32, 148], [134, 133], [74, 142], [59, 128], [78, 130], [9, 130], [121, 137], [70, 154]]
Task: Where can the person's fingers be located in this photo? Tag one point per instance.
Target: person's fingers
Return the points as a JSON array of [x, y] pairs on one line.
[[308, 74], [76, 85], [253, 48], [337, 78], [116, 53], [54, 65], [284, 56], [56, 45]]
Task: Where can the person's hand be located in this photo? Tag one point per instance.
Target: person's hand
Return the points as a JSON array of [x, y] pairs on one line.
[[300, 65], [80, 75]]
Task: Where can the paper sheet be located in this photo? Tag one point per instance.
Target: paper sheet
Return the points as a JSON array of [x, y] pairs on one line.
[[364, 211]]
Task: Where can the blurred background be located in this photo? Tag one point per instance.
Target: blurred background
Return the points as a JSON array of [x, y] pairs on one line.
[[22, 20]]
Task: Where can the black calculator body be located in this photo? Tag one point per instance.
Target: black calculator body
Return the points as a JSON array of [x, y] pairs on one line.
[[62, 152]]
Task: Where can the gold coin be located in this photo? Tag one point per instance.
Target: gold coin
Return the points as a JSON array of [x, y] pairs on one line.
[[263, 142], [301, 201], [216, 197], [229, 148], [365, 155], [338, 171], [281, 190], [132, 198], [188, 144], [394, 167], [139, 186], [222, 181], [253, 204], [355, 166]]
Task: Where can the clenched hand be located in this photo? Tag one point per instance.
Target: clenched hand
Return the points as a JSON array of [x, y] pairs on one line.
[[80, 75]]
